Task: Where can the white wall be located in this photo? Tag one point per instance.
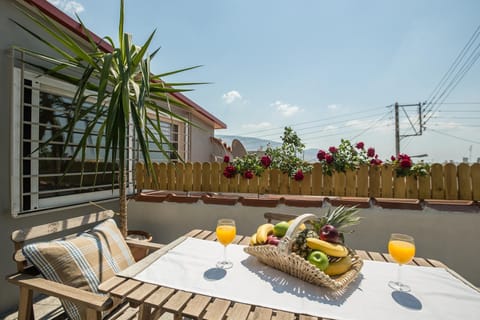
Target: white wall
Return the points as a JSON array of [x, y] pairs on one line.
[[450, 237]]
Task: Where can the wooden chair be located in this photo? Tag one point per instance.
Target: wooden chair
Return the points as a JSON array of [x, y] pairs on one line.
[[29, 280], [273, 217]]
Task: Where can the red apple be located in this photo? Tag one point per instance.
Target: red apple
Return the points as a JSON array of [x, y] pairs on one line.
[[273, 240], [329, 233]]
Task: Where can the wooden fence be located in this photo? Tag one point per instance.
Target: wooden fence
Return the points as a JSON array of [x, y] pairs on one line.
[[447, 181]]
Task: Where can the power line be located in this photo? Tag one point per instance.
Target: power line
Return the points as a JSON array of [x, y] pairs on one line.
[[455, 137], [371, 126], [445, 89], [304, 132], [280, 128], [459, 111], [446, 103], [460, 75]]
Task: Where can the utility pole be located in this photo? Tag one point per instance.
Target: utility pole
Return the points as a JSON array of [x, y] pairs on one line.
[[418, 132], [397, 130]]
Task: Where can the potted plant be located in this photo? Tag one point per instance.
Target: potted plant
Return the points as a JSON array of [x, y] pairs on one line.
[[122, 92]]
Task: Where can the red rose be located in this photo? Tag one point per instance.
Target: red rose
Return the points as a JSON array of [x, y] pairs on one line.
[[321, 155], [226, 159], [360, 145], [392, 158], [248, 174], [406, 163], [329, 158], [229, 171], [376, 161], [266, 161], [333, 149], [371, 152], [298, 175]]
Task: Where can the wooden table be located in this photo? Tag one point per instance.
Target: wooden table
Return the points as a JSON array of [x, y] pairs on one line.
[[154, 300]]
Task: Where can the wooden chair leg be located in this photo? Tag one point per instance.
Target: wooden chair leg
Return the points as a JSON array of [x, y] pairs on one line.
[[144, 312], [25, 305], [94, 314]]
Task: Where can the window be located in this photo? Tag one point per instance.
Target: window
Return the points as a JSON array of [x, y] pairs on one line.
[[41, 106], [173, 130]]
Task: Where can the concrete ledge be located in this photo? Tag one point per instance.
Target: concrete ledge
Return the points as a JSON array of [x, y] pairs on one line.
[[274, 200]]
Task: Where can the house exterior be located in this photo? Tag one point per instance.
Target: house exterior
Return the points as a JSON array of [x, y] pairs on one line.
[[32, 107]]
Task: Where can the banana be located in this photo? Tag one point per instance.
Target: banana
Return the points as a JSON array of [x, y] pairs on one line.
[[253, 239], [339, 267], [331, 249], [263, 231], [300, 228]]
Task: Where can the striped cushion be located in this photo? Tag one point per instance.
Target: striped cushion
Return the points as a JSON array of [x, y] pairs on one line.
[[82, 262]]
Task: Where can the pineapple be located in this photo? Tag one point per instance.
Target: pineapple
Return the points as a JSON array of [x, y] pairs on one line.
[[299, 243], [341, 218]]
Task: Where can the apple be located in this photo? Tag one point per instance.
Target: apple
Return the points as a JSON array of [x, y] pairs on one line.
[[280, 228], [273, 240], [318, 259], [329, 233]]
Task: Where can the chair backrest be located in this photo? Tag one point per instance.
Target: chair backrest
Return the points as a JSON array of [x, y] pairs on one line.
[[52, 229], [273, 217]]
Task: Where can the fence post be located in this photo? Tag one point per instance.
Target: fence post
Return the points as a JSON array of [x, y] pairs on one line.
[[374, 181], [188, 182], [317, 179], [139, 176], [475, 173], [464, 182], [179, 176], [362, 178], [197, 176], [438, 191], [387, 181], [451, 186]]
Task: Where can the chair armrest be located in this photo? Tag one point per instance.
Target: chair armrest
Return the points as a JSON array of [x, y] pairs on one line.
[[132, 243], [78, 296]]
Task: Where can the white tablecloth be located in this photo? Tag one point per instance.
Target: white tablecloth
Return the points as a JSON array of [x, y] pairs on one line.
[[436, 293]]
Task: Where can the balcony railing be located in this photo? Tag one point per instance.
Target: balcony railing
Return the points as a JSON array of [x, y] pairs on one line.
[[445, 181]]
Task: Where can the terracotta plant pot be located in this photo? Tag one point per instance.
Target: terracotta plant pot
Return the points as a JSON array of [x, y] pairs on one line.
[[139, 253]]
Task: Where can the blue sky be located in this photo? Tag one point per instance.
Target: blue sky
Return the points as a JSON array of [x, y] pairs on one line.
[[328, 69]]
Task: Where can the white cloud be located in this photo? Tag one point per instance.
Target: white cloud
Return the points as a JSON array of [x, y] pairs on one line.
[[332, 106], [70, 7], [231, 96], [285, 109], [254, 126]]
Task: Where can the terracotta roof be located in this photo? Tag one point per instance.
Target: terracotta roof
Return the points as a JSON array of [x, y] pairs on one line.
[[274, 200], [72, 25]]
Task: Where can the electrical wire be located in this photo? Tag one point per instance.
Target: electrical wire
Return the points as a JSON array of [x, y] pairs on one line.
[[280, 128], [456, 80], [371, 126], [446, 89], [455, 137]]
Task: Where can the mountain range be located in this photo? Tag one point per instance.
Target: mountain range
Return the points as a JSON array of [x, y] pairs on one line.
[[257, 144]]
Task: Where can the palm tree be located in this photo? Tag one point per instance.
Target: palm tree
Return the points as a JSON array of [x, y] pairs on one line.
[[122, 93]]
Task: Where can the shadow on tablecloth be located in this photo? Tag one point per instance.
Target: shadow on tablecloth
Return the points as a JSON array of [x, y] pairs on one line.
[[283, 282]]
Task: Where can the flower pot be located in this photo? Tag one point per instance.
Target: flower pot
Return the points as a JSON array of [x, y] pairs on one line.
[[139, 253]]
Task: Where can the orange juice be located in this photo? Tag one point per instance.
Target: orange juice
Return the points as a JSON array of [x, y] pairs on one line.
[[401, 251], [226, 234]]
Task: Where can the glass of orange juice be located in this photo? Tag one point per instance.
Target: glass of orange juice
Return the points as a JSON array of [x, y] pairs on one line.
[[402, 249], [226, 232]]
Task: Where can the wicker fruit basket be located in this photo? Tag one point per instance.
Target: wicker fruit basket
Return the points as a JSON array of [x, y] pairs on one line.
[[280, 257]]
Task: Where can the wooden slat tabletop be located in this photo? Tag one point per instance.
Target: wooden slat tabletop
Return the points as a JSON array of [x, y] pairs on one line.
[[154, 300]]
